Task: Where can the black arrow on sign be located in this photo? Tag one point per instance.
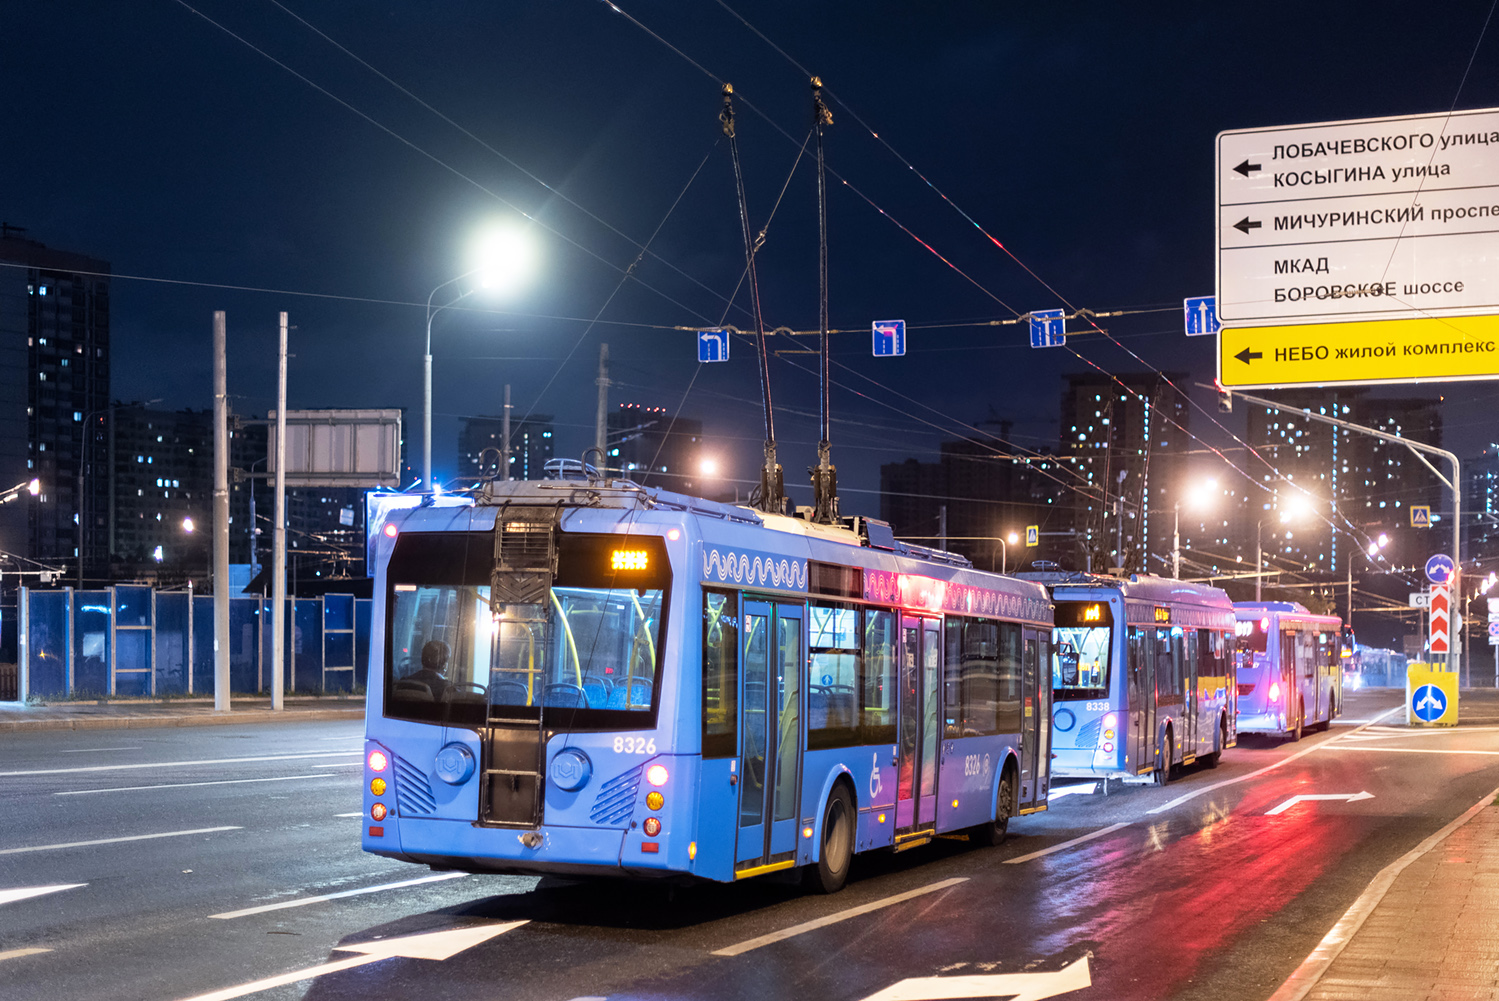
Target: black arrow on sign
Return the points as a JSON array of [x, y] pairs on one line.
[[1244, 225], [1245, 167], [1247, 355]]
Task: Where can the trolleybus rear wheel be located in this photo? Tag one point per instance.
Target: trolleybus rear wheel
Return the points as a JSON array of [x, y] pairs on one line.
[[1163, 766], [994, 833], [831, 870]]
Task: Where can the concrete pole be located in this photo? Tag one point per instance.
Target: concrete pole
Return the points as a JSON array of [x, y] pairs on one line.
[[220, 514], [1176, 541], [600, 421], [278, 555], [505, 437]]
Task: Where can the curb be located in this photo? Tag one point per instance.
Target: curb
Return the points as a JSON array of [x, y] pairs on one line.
[[146, 722]]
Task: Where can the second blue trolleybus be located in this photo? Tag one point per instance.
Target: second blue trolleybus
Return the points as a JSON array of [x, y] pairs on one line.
[[1290, 673], [590, 677], [1142, 675]]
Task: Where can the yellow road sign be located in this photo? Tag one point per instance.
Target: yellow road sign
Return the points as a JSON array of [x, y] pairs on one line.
[[1033, 535], [1420, 516], [1361, 352]]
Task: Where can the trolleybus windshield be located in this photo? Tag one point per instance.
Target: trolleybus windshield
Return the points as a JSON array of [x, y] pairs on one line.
[[586, 657], [1080, 650]]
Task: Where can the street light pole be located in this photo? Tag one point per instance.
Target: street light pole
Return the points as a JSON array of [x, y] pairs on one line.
[[427, 377], [1176, 541]]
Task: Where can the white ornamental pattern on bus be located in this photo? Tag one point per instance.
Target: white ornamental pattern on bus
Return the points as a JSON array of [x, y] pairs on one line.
[[726, 566]]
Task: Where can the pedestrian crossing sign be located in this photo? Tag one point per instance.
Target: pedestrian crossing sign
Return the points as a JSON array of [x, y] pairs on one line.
[[1420, 516], [1033, 535]]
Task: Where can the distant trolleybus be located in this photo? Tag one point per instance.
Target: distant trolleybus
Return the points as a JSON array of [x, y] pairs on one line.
[[1291, 673], [1142, 675], [590, 677]]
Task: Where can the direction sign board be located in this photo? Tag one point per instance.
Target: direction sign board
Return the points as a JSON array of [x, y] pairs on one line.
[[1421, 599], [1420, 516], [712, 345], [1439, 568], [1393, 221], [1048, 328], [1201, 315], [889, 338]]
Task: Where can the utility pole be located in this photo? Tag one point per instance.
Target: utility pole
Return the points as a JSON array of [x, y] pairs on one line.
[[942, 527], [600, 420], [278, 536], [1416, 447], [220, 514]]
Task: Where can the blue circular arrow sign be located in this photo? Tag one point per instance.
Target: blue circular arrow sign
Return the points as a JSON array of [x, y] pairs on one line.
[[1439, 568], [1428, 703]]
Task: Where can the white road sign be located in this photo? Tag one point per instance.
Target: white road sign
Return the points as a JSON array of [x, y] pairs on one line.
[[1381, 218]]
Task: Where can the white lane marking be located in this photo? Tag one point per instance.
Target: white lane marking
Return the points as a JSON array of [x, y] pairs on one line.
[[176, 764], [92, 750], [1299, 984], [341, 815], [1350, 797], [836, 917], [438, 945], [304, 901], [1178, 801], [1068, 844], [18, 953], [342, 764], [27, 892], [1019, 986], [1086, 789], [1409, 750], [115, 841], [190, 785]]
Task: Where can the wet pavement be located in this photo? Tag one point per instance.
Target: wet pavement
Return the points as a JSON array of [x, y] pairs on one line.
[[105, 714]]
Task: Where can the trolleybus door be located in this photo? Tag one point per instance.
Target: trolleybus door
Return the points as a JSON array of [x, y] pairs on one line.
[[1030, 719], [771, 723], [920, 667], [1141, 698]]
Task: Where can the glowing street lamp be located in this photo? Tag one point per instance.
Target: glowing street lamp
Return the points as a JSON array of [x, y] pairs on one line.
[[1005, 541], [504, 259], [1198, 497], [1295, 506]]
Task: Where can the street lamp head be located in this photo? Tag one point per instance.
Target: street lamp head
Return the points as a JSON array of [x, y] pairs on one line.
[[504, 258], [1012, 538], [708, 466], [188, 526], [34, 487]]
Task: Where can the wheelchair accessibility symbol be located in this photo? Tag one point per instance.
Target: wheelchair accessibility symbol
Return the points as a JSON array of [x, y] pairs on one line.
[[1428, 703], [874, 777]]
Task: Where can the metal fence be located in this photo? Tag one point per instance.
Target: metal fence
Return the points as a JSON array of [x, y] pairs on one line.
[[132, 640]]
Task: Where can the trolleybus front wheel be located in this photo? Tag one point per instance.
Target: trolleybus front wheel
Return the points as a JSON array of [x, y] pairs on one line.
[[1163, 764], [994, 832], [831, 869]]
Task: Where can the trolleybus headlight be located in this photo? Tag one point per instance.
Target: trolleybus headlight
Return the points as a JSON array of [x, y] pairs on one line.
[[654, 800], [377, 786], [1110, 719], [378, 761], [377, 812], [656, 775], [1275, 691], [454, 764], [390, 531], [571, 770]]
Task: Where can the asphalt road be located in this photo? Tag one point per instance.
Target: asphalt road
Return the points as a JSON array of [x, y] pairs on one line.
[[190, 862]]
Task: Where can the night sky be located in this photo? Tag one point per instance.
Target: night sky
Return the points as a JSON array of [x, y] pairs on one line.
[[236, 155]]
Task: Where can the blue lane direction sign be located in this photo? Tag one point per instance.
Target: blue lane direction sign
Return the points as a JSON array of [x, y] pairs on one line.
[[1202, 315], [712, 345], [1048, 328], [889, 338], [1429, 703], [1439, 568]]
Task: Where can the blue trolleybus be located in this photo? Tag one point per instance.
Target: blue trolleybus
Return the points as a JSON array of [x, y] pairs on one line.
[[1142, 675], [1290, 672], [590, 677]]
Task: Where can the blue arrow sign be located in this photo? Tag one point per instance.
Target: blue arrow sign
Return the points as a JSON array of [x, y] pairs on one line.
[[1202, 315], [889, 338], [712, 345], [1048, 328], [1428, 703], [1439, 568]]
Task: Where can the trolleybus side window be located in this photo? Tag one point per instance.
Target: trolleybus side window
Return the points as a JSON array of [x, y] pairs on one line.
[[877, 687], [1008, 710], [833, 655], [720, 675], [1136, 665], [1168, 666], [972, 682]]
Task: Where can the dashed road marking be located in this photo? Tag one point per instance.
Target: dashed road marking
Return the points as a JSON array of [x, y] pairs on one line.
[[1068, 844], [190, 785], [832, 919], [115, 841], [304, 901]]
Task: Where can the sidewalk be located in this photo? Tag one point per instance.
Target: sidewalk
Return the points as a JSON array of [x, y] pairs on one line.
[[137, 713], [1426, 928]]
